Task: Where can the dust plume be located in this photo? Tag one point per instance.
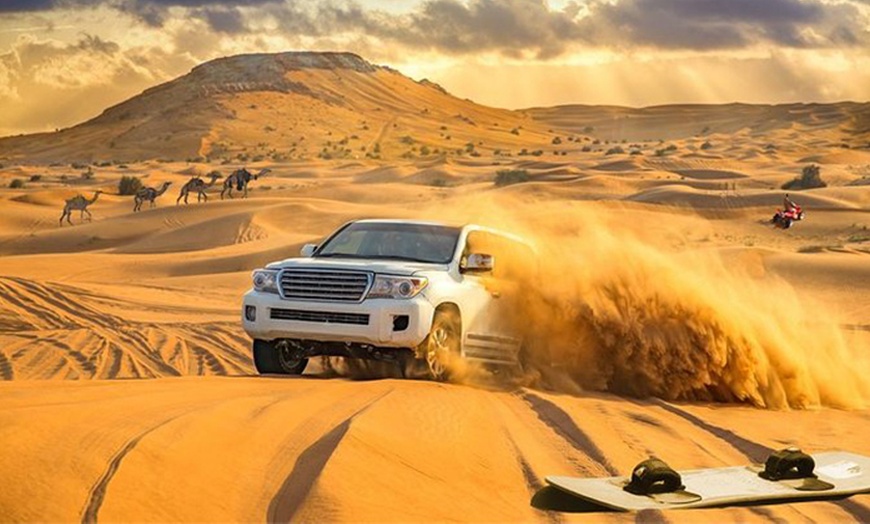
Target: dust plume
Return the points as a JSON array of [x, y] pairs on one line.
[[618, 309]]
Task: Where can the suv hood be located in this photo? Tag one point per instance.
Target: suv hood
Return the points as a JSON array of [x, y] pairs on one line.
[[392, 267]]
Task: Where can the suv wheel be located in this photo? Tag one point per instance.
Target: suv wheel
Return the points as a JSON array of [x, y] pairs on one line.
[[276, 358], [442, 345]]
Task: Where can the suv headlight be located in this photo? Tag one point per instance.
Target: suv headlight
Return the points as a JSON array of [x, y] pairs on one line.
[[265, 280], [386, 286]]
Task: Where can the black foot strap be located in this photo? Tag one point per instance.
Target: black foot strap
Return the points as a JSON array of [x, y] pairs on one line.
[[653, 476], [789, 463]]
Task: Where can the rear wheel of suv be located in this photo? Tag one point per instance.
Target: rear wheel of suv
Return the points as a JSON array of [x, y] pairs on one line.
[[276, 358], [441, 348]]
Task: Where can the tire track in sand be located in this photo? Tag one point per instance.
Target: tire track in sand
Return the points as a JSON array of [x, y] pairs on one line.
[[6, 372], [97, 493], [310, 463], [562, 423]]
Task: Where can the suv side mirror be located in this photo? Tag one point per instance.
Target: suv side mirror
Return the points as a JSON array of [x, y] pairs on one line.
[[478, 262], [308, 250]]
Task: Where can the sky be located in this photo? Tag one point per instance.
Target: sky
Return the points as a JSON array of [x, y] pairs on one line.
[[64, 61]]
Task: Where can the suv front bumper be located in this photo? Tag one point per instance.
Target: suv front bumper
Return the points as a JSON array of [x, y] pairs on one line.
[[384, 326]]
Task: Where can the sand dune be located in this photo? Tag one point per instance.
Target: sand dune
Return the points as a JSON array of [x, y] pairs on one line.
[[253, 449], [154, 295]]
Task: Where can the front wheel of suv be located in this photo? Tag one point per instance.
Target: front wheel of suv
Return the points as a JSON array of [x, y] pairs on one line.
[[278, 358], [442, 347]]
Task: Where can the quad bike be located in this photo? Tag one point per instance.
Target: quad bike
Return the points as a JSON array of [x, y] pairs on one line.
[[784, 219]]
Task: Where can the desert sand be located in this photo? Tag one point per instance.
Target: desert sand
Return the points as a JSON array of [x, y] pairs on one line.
[[670, 317]]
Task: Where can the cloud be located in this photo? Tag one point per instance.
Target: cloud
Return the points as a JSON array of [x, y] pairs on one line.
[[221, 15], [223, 20], [712, 24], [24, 6], [517, 28], [46, 84]]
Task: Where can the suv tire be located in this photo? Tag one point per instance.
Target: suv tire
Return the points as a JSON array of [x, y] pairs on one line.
[[270, 358], [442, 346]]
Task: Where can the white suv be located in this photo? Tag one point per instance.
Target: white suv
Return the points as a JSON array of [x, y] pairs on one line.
[[419, 294]]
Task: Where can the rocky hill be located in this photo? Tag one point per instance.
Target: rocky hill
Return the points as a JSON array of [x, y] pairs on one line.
[[284, 106]]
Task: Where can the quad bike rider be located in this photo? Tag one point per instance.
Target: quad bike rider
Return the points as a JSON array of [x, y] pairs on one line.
[[790, 213]]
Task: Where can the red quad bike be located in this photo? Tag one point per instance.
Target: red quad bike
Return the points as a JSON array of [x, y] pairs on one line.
[[784, 219]]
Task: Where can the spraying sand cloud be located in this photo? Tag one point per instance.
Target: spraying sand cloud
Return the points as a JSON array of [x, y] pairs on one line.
[[618, 309]]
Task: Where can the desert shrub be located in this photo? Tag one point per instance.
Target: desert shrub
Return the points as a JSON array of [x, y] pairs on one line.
[[128, 185], [425, 150], [811, 177], [537, 152], [515, 131], [16, 184], [76, 165], [88, 175], [636, 152], [706, 145], [506, 177], [586, 149], [407, 139], [469, 147], [35, 178], [556, 141], [615, 151], [664, 151], [440, 182]]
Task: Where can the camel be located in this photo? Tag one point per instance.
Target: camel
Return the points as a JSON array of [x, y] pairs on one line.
[[199, 186], [240, 179], [80, 203], [148, 193]]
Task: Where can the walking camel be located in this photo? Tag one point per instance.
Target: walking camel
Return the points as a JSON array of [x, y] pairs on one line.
[[240, 179], [149, 194], [199, 186], [79, 203]]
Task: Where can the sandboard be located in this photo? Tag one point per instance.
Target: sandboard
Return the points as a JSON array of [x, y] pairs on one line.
[[845, 473]]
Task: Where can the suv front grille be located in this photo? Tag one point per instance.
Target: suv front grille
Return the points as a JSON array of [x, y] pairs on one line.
[[324, 317], [315, 284]]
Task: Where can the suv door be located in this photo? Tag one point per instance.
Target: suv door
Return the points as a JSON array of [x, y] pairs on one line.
[[491, 335]]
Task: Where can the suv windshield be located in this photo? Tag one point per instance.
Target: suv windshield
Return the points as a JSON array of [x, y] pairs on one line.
[[418, 242]]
